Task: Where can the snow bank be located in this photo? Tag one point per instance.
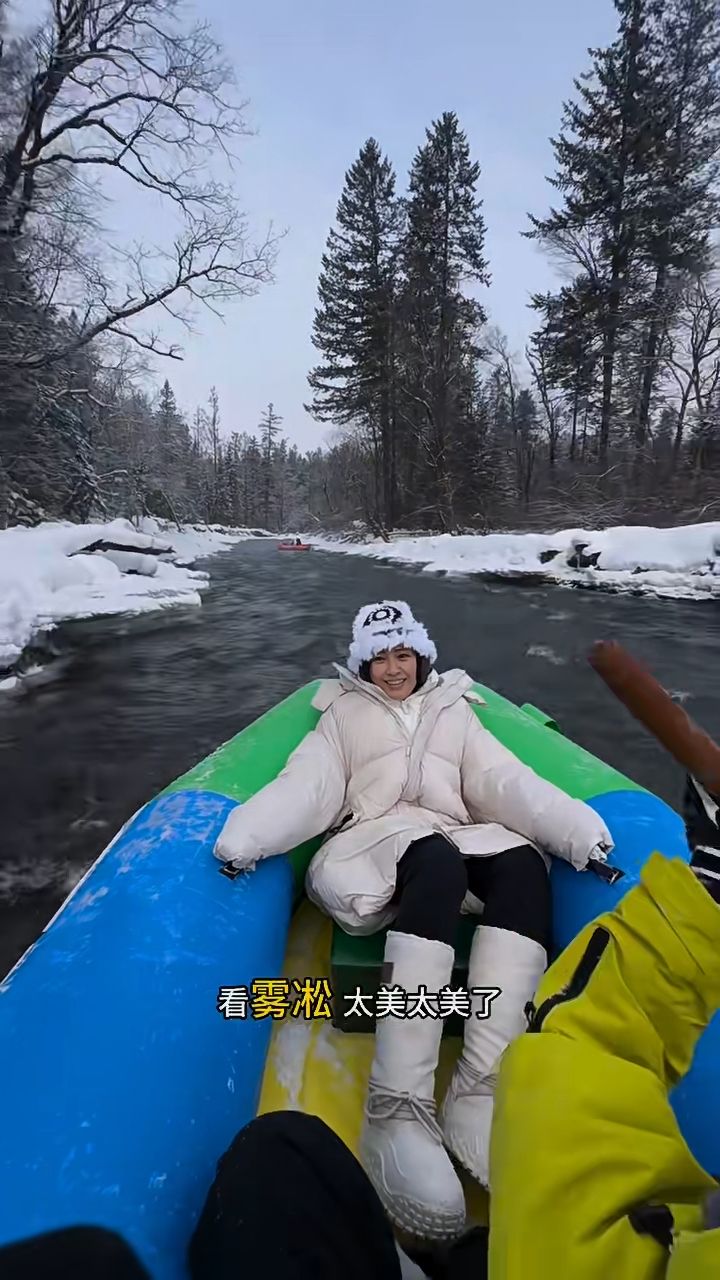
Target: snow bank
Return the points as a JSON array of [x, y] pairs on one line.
[[59, 571], [682, 563]]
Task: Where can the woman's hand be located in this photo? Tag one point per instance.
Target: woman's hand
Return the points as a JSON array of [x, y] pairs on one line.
[[228, 852]]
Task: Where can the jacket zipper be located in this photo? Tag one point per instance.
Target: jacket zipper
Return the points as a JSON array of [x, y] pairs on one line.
[[589, 962]]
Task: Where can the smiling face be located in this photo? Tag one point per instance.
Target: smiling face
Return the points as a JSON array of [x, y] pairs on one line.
[[395, 672]]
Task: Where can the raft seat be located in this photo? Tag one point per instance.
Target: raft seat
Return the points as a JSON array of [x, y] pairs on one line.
[[357, 963]]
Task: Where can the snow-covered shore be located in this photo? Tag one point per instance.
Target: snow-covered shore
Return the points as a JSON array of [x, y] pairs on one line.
[[681, 563], [60, 571]]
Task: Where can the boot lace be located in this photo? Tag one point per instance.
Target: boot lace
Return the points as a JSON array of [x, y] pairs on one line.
[[469, 1085], [388, 1104]]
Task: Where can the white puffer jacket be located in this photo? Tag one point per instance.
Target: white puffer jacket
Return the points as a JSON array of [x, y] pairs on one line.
[[377, 775]]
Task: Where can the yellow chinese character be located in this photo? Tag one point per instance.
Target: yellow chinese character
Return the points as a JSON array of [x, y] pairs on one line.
[[270, 997], [313, 999]]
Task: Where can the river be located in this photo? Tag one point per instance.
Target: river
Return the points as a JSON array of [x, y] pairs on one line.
[[130, 705]]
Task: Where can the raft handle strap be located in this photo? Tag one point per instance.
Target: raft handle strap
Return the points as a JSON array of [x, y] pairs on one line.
[[577, 984], [609, 874], [232, 873], [654, 1220]]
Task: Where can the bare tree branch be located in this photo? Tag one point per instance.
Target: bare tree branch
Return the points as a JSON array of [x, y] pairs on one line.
[[121, 86]]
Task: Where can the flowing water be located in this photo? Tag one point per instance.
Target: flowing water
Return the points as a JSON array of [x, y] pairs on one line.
[[131, 705]]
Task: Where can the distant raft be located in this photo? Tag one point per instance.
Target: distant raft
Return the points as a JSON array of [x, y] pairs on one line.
[[164, 1006]]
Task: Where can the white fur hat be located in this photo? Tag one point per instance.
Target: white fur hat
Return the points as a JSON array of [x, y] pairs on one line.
[[386, 626]]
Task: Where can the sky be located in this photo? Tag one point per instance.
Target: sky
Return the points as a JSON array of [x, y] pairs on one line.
[[321, 77]]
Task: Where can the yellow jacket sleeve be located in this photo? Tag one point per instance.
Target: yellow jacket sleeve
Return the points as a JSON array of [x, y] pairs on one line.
[[583, 1133]]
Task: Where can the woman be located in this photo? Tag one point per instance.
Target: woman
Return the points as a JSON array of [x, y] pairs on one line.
[[422, 807]]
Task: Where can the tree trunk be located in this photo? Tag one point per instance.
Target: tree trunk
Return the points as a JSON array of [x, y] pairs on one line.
[[608, 366], [386, 497], [680, 428], [575, 415], [393, 507], [650, 359], [389, 419], [4, 497]]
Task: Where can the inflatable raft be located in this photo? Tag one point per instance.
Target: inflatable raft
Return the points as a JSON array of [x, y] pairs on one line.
[[293, 546], [157, 1014]]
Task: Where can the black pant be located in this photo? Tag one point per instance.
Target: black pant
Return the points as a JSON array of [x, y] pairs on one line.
[[433, 878], [78, 1253], [289, 1202]]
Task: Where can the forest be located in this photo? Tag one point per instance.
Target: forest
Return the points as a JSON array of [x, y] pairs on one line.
[[611, 414]]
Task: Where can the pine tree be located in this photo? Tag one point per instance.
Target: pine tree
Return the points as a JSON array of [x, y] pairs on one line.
[[683, 207], [173, 445], [213, 428], [569, 345], [354, 327], [279, 474], [269, 432], [252, 482], [704, 450], [605, 158], [526, 442], [443, 251], [67, 430]]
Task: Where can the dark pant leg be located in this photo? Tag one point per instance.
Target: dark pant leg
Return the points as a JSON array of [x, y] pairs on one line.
[[515, 888], [431, 885], [77, 1253], [291, 1202]]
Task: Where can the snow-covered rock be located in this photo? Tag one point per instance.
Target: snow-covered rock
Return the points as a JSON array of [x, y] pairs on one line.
[[683, 563], [131, 561], [57, 571]]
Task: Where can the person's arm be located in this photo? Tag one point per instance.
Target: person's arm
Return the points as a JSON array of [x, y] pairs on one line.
[[497, 787], [304, 800], [584, 1138]]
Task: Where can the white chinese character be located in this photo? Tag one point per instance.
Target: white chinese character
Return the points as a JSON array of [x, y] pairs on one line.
[[488, 994], [233, 1002], [391, 1003], [359, 1010], [454, 1002], [422, 1007]]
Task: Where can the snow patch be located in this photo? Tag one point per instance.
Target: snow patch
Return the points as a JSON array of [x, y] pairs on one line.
[[682, 563], [326, 1049], [60, 571], [290, 1047]]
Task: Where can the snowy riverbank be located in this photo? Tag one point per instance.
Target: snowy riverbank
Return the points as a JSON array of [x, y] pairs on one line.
[[60, 571], [679, 563]]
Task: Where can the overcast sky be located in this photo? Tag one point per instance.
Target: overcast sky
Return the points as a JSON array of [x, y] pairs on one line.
[[321, 77]]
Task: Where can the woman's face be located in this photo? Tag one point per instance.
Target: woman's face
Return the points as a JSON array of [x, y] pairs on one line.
[[395, 672]]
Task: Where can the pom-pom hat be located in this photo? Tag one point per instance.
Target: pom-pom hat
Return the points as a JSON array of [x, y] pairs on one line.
[[387, 625]]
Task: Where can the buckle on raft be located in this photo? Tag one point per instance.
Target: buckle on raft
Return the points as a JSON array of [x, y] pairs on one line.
[[232, 873], [610, 875]]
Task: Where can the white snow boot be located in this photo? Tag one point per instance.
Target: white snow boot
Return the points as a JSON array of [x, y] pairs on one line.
[[514, 965], [401, 1145]]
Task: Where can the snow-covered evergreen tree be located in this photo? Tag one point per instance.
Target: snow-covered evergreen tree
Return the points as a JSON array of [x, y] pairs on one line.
[[443, 256], [683, 206], [605, 156], [354, 327]]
